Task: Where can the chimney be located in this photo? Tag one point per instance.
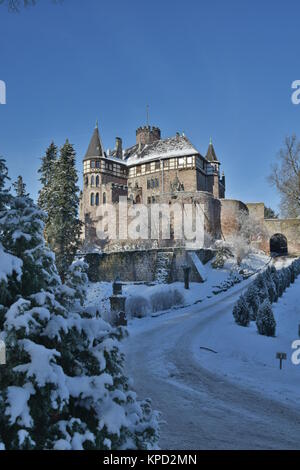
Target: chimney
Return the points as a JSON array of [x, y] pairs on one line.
[[119, 150]]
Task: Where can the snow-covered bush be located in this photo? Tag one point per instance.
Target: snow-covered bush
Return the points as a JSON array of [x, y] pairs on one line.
[[222, 255], [260, 283], [252, 301], [265, 321], [165, 300], [271, 286], [241, 312], [137, 306], [76, 278]]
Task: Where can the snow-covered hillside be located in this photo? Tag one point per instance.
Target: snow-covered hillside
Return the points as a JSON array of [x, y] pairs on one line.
[[250, 359], [217, 281], [228, 395]]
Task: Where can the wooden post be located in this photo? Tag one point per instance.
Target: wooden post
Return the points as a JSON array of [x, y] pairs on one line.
[[186, 272]]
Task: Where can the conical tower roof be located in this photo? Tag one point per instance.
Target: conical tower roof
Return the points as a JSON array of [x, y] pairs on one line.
[[211, 154], [95, 148]]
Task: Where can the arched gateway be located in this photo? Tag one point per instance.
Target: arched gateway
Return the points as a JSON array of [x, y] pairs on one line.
[[279, 244]]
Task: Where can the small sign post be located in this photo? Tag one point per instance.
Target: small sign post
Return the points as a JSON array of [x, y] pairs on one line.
[[282, 357]]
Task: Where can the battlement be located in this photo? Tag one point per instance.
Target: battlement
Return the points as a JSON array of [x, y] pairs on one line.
[[147, 135]]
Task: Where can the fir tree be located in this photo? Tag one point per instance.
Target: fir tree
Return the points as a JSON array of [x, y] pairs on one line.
[[252, 300], [63, 386], [22, 236], [20, 187], [265, 321], [65, 227], [46, 172], [241, 312], [4, 192]]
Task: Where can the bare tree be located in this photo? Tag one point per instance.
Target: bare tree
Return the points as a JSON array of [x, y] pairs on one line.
[[285, 176]]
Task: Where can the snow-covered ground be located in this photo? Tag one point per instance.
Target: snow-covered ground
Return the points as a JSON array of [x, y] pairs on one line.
[[217, 280], [233, 398], [250, 359]]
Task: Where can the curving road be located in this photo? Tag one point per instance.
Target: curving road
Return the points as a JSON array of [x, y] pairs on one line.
[[201, 410]]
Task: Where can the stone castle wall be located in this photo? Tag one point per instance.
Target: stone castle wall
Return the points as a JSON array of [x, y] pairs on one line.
[[141, 265], [230, 209]]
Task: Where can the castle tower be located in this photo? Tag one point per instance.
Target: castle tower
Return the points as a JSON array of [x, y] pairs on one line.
[[217, 185], [104, 181], [147, 135]]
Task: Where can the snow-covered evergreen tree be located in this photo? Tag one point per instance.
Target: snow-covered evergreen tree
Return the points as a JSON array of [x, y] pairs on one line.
[[63, 386], [20, 187], [271, 286], [63, 232], [22, 236], [252, 300], [10, 266], [260, 283], [241, 312], [46, 172], [77, 279], [265, 321], [4, 192]]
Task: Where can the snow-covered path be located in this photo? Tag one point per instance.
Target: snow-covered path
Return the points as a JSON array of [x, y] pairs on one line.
[[202, 410]]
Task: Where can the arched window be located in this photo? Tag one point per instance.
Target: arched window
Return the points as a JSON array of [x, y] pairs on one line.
[[104, 198], [97, 199], [86, 181], [92, 180], [92, 199], [97, 181]]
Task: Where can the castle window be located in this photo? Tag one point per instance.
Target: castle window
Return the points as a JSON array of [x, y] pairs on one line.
[[148, 167], [181, 161], [104, 198], [157, 165], [97, 199], [156, 182], [148, 184], [166, 164], [92, 180], [92, 199], [92, 164], [98, 164], [138, 170], [97, 181], [152, 184]]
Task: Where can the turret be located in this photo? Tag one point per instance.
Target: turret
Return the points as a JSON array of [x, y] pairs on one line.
[[95, 148], [147, 135]]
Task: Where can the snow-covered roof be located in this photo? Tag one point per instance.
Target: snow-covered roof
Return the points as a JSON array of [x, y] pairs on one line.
[[177, 146]]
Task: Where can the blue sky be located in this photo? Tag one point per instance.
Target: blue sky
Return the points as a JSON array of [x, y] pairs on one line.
[[209, 68]]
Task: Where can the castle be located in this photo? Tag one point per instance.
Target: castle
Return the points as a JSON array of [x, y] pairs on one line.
[[154, 170], [158, 170]]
